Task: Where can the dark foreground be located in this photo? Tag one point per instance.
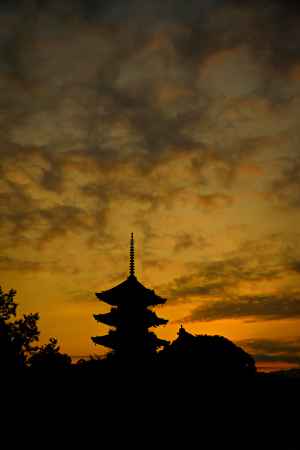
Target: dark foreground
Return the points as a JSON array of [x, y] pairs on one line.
[[145, 409]]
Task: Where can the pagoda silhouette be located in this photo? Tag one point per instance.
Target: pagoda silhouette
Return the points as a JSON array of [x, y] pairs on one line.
[[131, 316]]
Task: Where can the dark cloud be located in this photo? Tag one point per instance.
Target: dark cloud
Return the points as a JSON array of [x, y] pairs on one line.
[[120, 81], [216, 285], [183, 242], [8, 263], [254, 307], [216, 278], [52, 177], [286, 188], [295, 266], [91, 86], [74, 79], [16, 217], [26, 221], [16, 264], [268, 350]]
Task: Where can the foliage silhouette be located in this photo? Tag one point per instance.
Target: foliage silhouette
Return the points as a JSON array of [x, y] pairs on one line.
[[48, 356], [93, 362], [17, 338]]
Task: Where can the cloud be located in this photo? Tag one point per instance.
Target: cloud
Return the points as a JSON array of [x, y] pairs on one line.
[[286, 188], [255, 307], [224, 276], [18, 265], [154, 105], [213, 201], [295, 266], [27, 221], [97, 69], [185, 241], [256, 282], [134, 81], [280, 351], [8, 263]]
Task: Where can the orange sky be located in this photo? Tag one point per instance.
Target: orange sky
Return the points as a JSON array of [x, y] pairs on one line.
[[179, 124]]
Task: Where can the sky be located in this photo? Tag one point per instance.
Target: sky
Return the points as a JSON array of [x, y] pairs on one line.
[[178, 121]]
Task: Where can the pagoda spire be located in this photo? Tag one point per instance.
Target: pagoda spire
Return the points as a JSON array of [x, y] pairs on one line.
[[131, 258]]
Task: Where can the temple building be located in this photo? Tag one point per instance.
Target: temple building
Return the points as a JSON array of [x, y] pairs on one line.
[[131, 316]]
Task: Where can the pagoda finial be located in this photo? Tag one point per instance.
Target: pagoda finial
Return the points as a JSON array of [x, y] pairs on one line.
[[131, 260]]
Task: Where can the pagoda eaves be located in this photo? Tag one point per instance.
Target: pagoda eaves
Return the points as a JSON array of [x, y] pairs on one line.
[[132, 289], [113, 318], [112, 340]]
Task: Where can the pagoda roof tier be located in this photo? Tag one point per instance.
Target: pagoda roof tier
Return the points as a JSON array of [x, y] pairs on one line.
[[106, 341], [111, 339], [114, 318], [130, 290]]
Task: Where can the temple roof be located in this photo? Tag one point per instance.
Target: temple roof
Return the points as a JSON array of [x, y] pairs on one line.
[[115, 318], [130, 290], [111, 340]]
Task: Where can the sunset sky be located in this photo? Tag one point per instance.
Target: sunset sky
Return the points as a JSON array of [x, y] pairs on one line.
[[176, 120]]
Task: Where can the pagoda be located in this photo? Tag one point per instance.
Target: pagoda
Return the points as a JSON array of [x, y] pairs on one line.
[[131, 317]]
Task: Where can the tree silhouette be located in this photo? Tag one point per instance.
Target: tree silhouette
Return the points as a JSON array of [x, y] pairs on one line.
[[131, 317], [16, 336], [93, 362], [48, 356]]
